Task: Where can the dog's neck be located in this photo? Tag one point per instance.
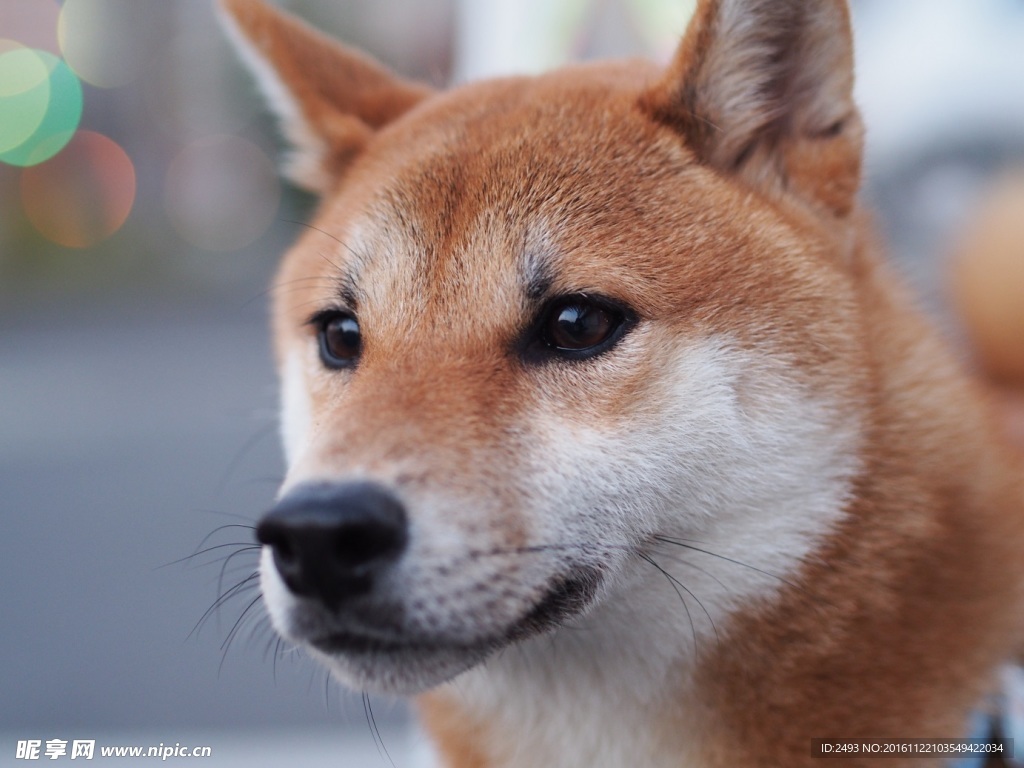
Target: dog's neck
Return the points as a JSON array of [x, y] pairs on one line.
[[596, 693]]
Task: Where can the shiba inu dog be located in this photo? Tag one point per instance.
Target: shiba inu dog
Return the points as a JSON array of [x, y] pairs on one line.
[[609, 434]]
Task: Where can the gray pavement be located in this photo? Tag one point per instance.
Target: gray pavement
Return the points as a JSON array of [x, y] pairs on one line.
[[126, 436]]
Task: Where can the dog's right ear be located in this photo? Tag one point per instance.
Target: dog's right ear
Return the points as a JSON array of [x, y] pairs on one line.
[[330, 99], [762, 90]]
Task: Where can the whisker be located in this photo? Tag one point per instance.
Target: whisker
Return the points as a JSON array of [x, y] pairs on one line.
[[369, 723], [240, 590], [335, 238], [681, 543], [234, 631], [205, 551], [232, 556], [705, 571], [675, 585], [222, 599], [213, 533], [277, 653], [267, 647], [682, 586], [378, 739]]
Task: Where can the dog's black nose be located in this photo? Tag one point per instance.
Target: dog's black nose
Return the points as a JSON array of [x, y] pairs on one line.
[[332, 541]]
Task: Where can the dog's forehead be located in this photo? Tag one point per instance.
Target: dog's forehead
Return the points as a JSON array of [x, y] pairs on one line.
[[460, 218], [489, 194]]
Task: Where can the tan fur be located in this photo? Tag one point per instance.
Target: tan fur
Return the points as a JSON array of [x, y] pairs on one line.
[[711, 207], [459, 737]]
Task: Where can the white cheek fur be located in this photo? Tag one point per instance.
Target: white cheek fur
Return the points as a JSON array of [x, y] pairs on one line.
[[296, 407], [757, 480]]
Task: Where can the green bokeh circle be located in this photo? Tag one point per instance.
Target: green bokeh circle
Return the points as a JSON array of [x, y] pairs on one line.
[[59, 122], [24, 96]]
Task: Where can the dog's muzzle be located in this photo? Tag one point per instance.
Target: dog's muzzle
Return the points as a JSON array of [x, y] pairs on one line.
[[332, 542]]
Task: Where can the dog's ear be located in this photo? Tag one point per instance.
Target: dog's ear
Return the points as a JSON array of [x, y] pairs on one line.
[[330, 99], [762, 89]]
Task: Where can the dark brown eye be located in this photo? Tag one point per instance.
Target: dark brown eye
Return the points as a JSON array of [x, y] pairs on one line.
[[582, 325], [340, 341]]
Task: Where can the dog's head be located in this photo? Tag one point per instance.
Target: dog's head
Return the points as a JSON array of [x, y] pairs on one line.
[[542, 328]]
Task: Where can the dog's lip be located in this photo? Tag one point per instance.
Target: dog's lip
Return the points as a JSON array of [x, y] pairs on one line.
[[564, 599], [355, 643]]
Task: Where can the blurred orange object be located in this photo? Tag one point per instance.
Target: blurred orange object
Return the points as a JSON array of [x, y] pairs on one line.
[[83, 194], [988, 281], [988, 289]]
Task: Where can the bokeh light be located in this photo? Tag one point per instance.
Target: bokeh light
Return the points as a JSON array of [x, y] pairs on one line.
[[24, 95], [107, 43], [196, 89], [222, 193], [40, 106], [662, 23], [33, 23], [83, 195]]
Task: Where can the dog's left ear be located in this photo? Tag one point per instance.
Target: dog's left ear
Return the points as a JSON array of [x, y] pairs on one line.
[[762, 90], [330, 99]]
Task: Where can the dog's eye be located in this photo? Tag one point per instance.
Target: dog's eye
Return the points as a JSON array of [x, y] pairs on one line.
[[581, 325], [340, 341]]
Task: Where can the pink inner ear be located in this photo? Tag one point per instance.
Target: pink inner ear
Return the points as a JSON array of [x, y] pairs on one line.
[[329, 98]]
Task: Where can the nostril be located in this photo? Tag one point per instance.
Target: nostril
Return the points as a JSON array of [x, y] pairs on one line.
[[283, 550], [358, 545], [275, 535]]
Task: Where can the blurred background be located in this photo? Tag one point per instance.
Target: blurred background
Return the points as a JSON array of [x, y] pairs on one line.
[[141, 218]]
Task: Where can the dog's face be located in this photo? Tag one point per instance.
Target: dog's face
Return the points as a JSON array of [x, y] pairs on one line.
[[542, 328]]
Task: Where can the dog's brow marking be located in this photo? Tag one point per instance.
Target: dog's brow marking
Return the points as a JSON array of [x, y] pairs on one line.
[[537, 265], [347, 291], [538, 280]]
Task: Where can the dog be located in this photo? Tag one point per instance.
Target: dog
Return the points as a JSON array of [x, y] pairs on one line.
[[610, 436]]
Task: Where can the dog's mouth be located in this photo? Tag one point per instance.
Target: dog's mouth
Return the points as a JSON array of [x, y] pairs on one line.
[[352, 644], [565, 599]]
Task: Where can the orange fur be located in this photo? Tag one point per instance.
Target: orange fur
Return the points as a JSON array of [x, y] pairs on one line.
[[708, 213]]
